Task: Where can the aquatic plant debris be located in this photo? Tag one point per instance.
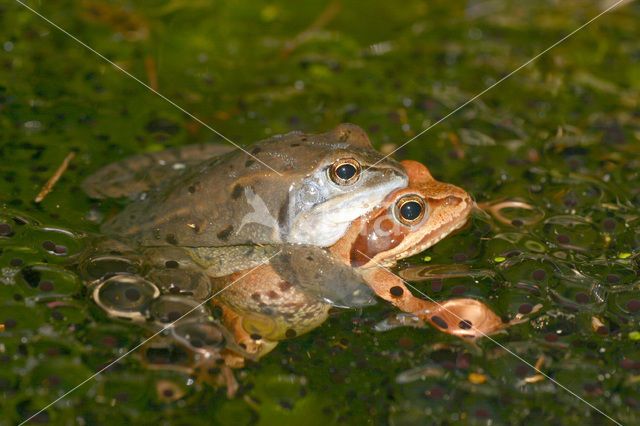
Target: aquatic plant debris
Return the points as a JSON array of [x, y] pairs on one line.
[[345, 371], [148, 86], [529, 61], [56, 176]]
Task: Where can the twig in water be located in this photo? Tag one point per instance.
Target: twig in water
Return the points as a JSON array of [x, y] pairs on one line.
[[46, 189], [322, 20], [152, 76]]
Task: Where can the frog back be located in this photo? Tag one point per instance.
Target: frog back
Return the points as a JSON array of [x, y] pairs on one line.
[[139, 173], [270, 193]]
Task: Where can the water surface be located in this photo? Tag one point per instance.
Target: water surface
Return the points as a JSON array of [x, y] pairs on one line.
[[562, 135]]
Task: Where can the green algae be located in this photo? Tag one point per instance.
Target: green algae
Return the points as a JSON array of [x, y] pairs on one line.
[[562, 135]]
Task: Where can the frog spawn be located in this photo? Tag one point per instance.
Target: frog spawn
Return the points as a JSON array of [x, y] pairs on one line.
[[460, 317], [166, 302], [155, 288], [283, 313]]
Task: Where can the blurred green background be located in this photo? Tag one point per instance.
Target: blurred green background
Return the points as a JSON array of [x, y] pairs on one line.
[[563, 135]]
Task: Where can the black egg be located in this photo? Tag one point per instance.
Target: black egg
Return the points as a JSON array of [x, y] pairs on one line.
[[197, 334], [125, 296]]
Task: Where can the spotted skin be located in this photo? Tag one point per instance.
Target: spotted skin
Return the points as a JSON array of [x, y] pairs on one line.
[[367, 245], [371, 249], [206, 203], [143, 172]]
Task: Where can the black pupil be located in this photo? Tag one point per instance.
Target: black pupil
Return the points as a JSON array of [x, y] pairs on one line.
[[346, 171], [411, 210]]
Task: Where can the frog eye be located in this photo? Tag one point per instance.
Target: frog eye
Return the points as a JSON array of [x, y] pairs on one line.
[[410, 209], [345, 171]]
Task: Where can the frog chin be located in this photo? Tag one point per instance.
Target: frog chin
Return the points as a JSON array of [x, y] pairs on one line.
[[328, 221]]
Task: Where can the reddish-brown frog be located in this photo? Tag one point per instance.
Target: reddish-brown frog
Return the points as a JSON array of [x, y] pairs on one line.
[[266, 304]]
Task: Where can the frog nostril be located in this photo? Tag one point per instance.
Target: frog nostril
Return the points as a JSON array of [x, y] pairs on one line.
[[394, 174], [452, 201]]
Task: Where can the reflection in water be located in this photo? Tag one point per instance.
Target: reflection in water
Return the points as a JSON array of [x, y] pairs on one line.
[[562, 137]]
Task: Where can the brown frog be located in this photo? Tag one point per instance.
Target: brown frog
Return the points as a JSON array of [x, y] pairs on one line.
[[266, 304], [208, 208], [212, 196]]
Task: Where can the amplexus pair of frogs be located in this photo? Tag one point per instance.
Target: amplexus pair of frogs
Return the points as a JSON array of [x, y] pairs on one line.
[[287, 229]]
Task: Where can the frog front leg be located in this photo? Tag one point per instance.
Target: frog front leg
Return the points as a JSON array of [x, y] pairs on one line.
[[250, 342], [466, 318], [261, 308], [320, 275]]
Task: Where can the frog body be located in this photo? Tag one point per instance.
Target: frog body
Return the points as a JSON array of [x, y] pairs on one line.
[[200, 213], [311, 191], [258, 306]]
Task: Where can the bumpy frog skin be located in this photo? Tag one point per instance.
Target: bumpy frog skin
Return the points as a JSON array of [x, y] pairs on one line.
[[325, 182], [264, 306]]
